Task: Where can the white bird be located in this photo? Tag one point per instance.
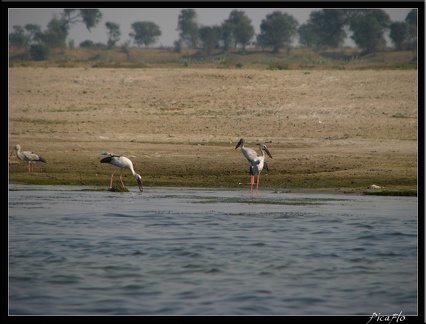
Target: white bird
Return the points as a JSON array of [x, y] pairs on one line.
[[123, 163], [27, 156], [256, 162]]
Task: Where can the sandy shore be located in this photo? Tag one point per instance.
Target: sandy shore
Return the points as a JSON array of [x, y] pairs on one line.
[[331, 130]]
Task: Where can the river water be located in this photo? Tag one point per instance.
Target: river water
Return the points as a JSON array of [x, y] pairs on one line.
[[192, 251]]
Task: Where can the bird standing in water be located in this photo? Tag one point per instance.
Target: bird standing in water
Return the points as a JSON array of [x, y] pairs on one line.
[[121, 162], [256, 162], [27, 156]]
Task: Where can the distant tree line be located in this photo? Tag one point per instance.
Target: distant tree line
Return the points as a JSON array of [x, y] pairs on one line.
[[325, 28]]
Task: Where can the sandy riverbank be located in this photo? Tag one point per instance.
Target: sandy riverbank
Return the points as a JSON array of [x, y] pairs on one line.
[[329, 129]]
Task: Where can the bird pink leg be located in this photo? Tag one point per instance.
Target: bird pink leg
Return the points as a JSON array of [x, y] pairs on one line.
[[29, 167], [251, 184], [121, 178], [110, 183], [257, 184]]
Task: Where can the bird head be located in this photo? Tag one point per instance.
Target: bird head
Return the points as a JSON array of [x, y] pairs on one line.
[[263, 147], [241, 142], [139, 180], [16, 148]]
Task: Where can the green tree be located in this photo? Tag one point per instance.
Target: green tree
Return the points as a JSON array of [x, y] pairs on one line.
[[324, 28], [277, 30], [58, 28], [400, 34], [24, 37], [177, 44], [56, 33], [209, 38], [18, 38], [113, 33], [39, 52], [188, 27], [368, 27], [412, 17], [241, 27], [33, 31], [145, 33], [125, 48], [87, 44], [90, 17], [226, 36], [307, 36], [411, 20]]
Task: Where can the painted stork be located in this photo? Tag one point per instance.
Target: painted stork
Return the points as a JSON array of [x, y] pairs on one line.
[[257, 162], [27, 156], [123, 163]]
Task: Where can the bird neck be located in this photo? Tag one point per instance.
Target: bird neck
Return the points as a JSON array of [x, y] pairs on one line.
[[132, 170]]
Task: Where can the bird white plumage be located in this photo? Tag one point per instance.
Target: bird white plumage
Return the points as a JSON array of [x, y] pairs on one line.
[[27, 156], [256, 162], [121, 162]]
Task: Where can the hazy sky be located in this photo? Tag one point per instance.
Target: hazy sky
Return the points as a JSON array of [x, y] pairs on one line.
[[165, 18]]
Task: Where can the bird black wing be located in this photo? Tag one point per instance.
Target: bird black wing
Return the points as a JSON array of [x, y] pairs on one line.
[[109, 158], [106, 159], [254, 167], [265, 166]]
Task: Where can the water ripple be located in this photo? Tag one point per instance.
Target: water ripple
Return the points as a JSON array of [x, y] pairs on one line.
[[209, 252]]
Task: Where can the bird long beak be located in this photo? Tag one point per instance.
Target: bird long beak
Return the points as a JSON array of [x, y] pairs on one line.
[[140, 185], [269, 153], [239, 143], [11, 152]]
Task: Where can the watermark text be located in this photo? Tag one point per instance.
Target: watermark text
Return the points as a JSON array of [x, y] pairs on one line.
[[396, 318]]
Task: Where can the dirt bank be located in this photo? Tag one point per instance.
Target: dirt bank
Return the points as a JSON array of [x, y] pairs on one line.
[[333, 129]]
